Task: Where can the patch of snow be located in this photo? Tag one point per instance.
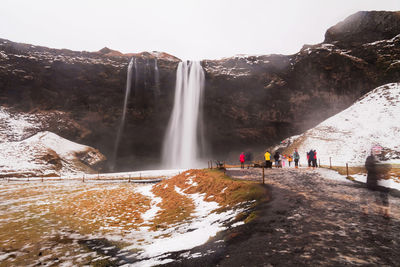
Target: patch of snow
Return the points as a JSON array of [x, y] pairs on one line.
[[151, 262], [204, 224], [332, 175], [237, 224], [190, 181], [361, 177], [3, 55], [155, 201]]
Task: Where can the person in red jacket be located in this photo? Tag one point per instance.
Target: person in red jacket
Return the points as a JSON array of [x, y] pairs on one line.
[[242, 159], [315, 159]]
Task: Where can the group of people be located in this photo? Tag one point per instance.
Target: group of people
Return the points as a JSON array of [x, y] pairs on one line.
[[375, 172], [281, 160], [312, 158]]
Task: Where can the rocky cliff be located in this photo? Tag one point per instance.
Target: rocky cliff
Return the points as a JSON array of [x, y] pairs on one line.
[[82, 94], [261, 99], [250, 101]]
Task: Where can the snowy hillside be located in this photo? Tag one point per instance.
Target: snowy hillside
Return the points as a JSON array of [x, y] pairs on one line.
[[349, 136], [28, 149], [46, 154]]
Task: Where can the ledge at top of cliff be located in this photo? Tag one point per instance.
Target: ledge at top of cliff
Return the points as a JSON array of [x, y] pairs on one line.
[[364, 27], [106, 56], [151, 55]]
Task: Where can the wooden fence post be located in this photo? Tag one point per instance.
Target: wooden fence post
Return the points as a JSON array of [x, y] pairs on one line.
[[347, 170], [42, 179], [263, 174], [83, 178], [129, 178], [330, 163], [211, 164]]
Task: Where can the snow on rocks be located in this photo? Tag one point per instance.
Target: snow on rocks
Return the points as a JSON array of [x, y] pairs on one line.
[[349, 136], [46, 154]]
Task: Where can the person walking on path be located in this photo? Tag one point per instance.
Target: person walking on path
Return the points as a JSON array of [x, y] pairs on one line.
[[276, 157], [267, 157], [315, 159], [376, 172], [296, 157], [242, 158], [311, 159], [249, 158], [290, 159]]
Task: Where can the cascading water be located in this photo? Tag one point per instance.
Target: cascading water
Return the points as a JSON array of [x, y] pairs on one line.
[[182, 141], [121, 125], [136, 75], [156, 78]]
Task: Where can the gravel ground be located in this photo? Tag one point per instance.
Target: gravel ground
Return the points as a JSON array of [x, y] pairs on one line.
[[311, 220]]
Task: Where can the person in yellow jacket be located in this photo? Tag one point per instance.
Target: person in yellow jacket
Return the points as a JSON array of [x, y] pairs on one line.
[[290, 159], [267, 157]]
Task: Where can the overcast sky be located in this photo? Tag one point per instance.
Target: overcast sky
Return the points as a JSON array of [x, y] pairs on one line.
[[188, 29]]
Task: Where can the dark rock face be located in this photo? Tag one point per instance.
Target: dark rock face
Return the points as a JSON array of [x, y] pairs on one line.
[[89, 89], [364, 27], [265, 98], [250, 102]]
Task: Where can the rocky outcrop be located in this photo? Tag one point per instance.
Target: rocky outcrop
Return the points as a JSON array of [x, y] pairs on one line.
[[364, 27], [250, 101], [47, 154]]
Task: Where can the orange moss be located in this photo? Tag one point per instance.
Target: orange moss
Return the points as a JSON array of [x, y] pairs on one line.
[[121, 204], [213, 184]]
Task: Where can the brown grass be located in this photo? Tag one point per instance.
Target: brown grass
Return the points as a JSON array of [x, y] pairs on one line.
[[89, 209], [99, 205]]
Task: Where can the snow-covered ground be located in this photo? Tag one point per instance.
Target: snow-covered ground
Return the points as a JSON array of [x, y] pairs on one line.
[[349, 136], [360, 177], [120, 218]]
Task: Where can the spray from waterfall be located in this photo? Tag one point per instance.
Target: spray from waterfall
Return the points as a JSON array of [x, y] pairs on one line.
[[182, 143], [121, 125]]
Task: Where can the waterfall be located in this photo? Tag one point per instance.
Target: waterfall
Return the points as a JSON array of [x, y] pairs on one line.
[[121, 125], [136, 75], [156, 78], [182, 143]]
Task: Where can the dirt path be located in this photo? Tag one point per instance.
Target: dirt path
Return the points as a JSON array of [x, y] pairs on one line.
[[311, 220]]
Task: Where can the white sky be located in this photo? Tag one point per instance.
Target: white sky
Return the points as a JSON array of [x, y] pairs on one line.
[[188, 29]]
